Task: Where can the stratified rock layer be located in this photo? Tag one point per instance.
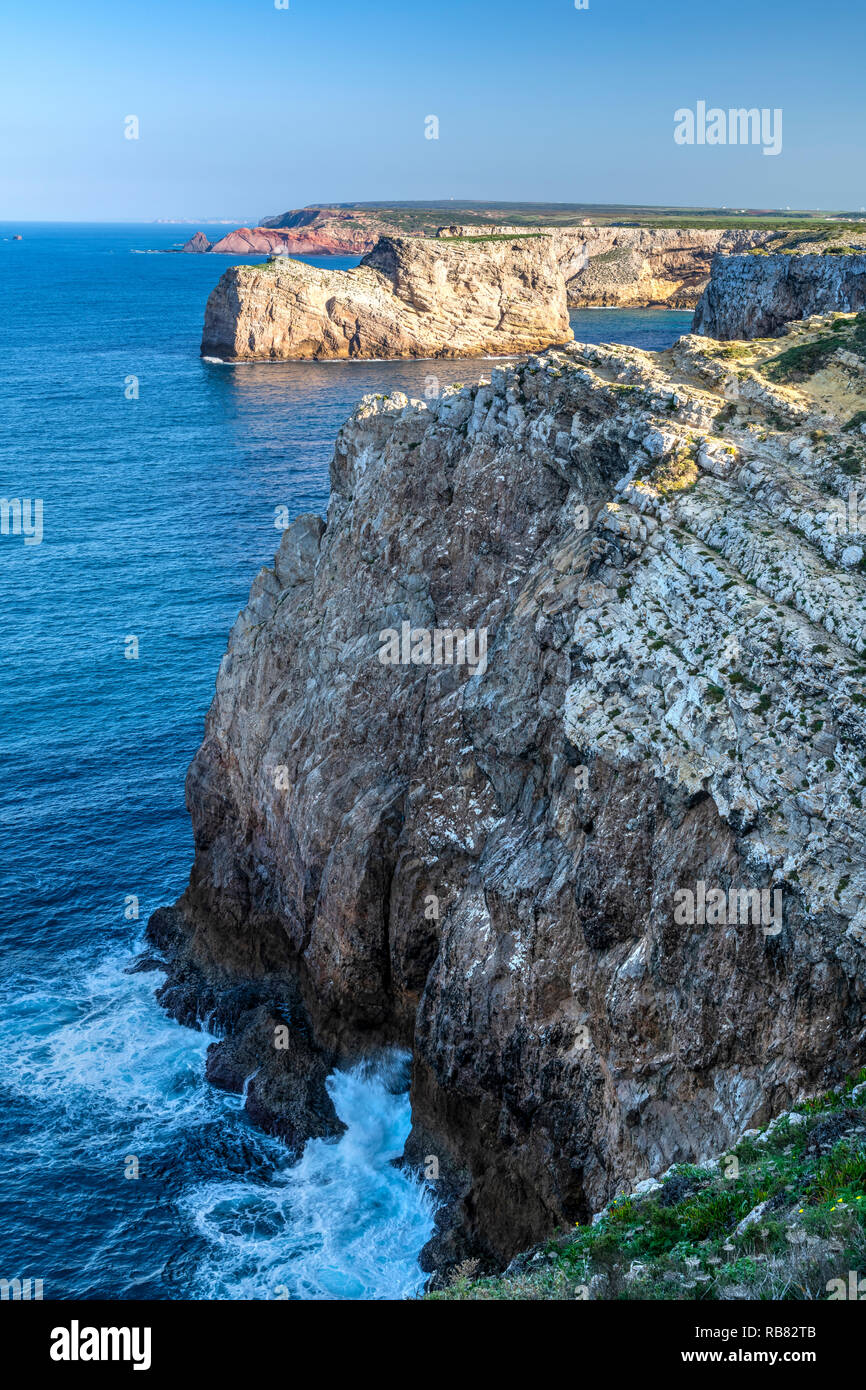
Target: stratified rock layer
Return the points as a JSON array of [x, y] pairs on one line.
[[485, 864], [408, 298], [758, 296], [631, 267]]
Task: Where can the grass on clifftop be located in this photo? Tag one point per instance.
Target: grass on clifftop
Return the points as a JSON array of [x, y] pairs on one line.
[[495, 236], [680, 1241], [804, 360], [423, 218]]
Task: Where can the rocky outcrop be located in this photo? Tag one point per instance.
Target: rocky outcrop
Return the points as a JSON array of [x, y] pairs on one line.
[[263, 241], [757, 296], [618, 266], [198, 244], [493, 860], [266, 1050], [306, 232], [408, 298], [634, 267]]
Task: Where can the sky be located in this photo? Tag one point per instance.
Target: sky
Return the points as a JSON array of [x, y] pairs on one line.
[[245, 109]]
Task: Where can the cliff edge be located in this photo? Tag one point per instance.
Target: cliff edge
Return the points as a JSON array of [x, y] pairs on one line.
[[544, 756], [757, 296], [635, 267]]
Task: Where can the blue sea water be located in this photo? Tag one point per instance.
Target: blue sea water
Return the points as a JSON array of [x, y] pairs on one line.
[[160, 477]]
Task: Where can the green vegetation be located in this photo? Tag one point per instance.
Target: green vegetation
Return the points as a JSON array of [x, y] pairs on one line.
[[678, 473], [495, 236], [804, 360], [807, 1174], [798, 363], [811, 239], [422, 218]]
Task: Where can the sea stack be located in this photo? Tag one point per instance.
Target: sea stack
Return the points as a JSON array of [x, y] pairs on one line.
[[197, 244]]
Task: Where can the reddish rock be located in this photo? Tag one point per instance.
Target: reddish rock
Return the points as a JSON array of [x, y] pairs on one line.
[[295, 241], [199, 243]]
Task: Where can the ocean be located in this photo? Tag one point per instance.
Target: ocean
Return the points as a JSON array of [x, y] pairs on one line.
[[161, 478]]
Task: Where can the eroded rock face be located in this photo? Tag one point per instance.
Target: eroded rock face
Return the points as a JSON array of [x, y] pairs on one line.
[[758, 296], [488, 862], [408, 298], [616, 266], [633, 267]]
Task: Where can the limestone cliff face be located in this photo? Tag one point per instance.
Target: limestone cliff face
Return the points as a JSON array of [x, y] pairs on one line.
[[636, 266], [757, 296], [617, 266], [485, 862], [408, 298]]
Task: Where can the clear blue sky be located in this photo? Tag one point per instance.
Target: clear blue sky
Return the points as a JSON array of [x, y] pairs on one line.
[[247, 110]]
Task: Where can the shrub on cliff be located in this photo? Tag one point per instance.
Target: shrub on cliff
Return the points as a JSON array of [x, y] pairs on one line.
[[781, 1216]]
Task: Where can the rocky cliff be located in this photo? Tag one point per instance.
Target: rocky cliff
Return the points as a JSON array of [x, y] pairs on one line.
[[531, 856], [756, 296], [305, 232], [618, 266], [197, 244], [408, 298], [636, 266], [323, 240]]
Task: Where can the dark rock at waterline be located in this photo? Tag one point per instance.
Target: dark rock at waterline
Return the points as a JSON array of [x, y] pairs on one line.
[[196, 991], [164, 929], [283, 1073], [451, 1243], [268, 1048], [145, 965]]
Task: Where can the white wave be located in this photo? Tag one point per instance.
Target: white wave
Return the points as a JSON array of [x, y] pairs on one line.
[[100, 1043], [104, 1072], [341, 1223]]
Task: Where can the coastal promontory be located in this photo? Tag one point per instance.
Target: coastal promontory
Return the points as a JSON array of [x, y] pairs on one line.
[[408, 298]]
